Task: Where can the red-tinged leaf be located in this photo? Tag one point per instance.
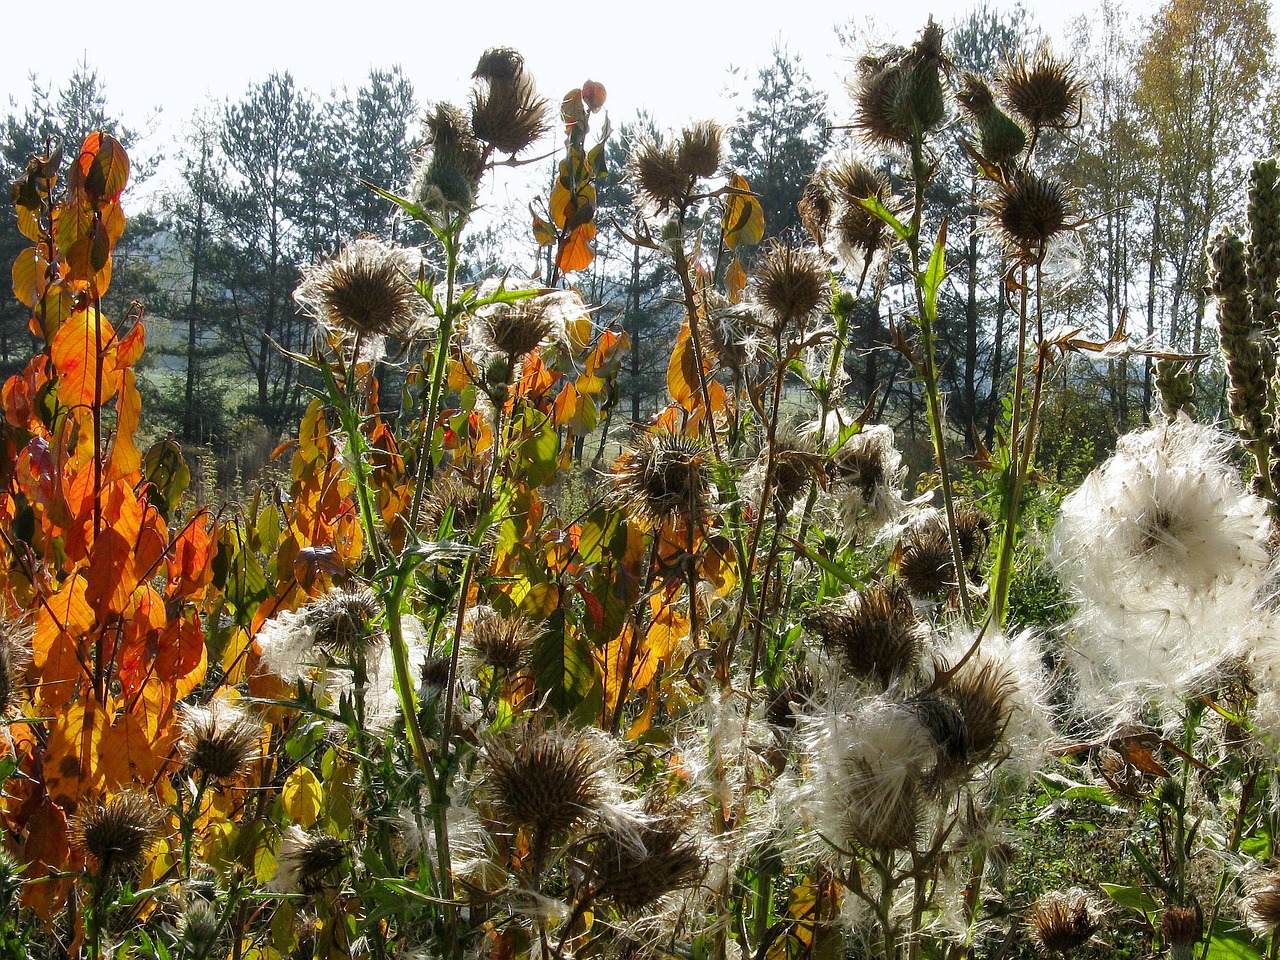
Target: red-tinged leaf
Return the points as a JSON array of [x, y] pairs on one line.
[[128, 754], [593, 95], [126, 458], [743, 221], [75, 352], [115, 555], [566, 405], [191, 559], [62, 621], [129, 350], [575, 251], [571, 108], [30, 275], [46, 854], [101, 170]]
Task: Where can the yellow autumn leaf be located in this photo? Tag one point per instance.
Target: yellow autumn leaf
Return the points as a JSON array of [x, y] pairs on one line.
[[301, 797]]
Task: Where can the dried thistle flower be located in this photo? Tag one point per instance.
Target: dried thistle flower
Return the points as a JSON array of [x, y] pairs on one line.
[[543, 781], [665, 477], [435, 672], [657, 176], [791, 285], [924, 562], [860, 234], [815, 208], [450, 493], [1181, 929], [502, 643], [118, 833], [698, 154], [874, 634], [343, 622], [899, 96], [1029, 210], [506, 111], [947, 728], [1262, 904], [219, 740], [365, 290], [515, 328], [450, 176], [982, 690], [305, 861], [636, 865], [1044, 90], [1064, 920]]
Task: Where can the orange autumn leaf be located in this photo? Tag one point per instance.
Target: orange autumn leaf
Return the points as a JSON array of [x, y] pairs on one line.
[[575, 250], [101, 171], [83, 352], [190, 562]]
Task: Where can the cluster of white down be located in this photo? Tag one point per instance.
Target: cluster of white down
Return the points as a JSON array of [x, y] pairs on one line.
[[1166, 557]]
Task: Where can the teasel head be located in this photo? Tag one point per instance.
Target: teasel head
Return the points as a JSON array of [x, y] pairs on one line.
[[514, 329], [664, 478], [344, 623], [874, 634], [543, 781], [1181, 928], [220, 740], [1044, 91], [506, 111], [858, 233], [118, 833], [1000, 139], [791, 285], [448, 179], [635, 864], [306, 861], [15, 644], [781, 705], [982, 689], [698, 153], [1064, 920], [657, 176], [500, 642], [899, 97], [366, 290], [1029, 210]]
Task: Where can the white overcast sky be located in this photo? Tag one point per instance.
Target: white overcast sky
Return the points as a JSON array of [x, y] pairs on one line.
[[670, 56]]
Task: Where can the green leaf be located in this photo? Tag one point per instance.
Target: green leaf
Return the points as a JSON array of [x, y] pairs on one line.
[[536, 454], [598, 531], [934, 274], [1230, 941], [1133, 898], [563, 672], [829, 567], [879, 210]]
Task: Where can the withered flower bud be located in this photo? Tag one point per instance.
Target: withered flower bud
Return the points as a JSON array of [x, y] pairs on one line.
[[698, 154], [450, 178], [219, 740], [506, 110], [544, 782], [343, 622], [791, 284], [118, 833], [1064, 920], [657, 176], [636, 865], [874, 634], [1029, 210]]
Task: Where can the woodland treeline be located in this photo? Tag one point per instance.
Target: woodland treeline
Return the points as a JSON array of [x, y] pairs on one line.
[[261, 186]]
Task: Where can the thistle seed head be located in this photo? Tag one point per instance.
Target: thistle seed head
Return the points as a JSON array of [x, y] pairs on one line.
[[698, 154], [982, 690], [1262, 904], [859, 232], [899, 97], [15, 644], [451, 174], [219, 740], [502, 643], [544, 782], [792, 284], [664, 478], [1182, 926], [1044, 90], [1064, 920], [343, 622], [635, 866], [657, 176], [924, 562], [366, 290], [435, 672], [450, 492], [118, 833], [815, 208], [506, 111], [198, 928], [305, 861], [515, 328], [875, 634], [1029, 210], [947, 728]]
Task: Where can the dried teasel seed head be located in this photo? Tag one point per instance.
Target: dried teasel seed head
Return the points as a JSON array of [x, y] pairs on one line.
[[219, 740], [1044, 90], [664, 477], [875, 634], [1029, 210], [1262, 903], [506, 111], [118, 833], [306, 860], [343, 622], [543, 781], [500, 642], [451, 175], [636, 865], [366, 290], [1064, 920], [792, 284], [982, 690], [516, 328], [1181, 928], [657, 175], [698, 153]]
